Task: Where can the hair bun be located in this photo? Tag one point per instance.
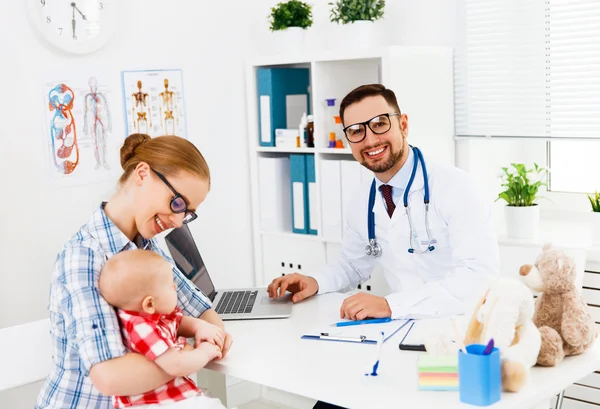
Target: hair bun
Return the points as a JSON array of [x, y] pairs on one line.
[[130, 145]]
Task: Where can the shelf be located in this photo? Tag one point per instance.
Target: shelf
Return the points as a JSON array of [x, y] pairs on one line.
[[335, 151], [290, 235], [284, 150]]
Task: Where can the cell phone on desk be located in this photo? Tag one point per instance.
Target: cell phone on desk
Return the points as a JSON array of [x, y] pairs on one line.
[[410, 341], [411, 347]]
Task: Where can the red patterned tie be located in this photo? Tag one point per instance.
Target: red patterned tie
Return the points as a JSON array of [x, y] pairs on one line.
[[386, 190]]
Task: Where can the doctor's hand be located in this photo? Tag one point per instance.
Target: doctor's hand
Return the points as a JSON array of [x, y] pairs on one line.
[[300, 285], [362, 305]]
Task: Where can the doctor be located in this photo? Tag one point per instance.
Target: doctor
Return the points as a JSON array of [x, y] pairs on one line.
[[425, 223]]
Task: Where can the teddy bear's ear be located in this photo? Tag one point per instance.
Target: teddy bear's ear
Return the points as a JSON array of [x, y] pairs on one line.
[[547, 246]]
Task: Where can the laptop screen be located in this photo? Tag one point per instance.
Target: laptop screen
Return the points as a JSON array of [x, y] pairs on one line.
[[187, 259]]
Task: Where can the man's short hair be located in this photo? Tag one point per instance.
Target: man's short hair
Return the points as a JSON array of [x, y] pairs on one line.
[[369, 90]]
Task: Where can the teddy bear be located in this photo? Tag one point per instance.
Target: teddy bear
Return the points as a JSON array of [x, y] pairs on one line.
[[504, 313], [561, 314]]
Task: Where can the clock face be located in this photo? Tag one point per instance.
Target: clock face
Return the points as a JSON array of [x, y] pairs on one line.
[[78, 26]]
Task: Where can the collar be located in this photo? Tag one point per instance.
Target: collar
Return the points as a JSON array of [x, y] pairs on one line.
[[156, 317], [112, 240], [400, 179]]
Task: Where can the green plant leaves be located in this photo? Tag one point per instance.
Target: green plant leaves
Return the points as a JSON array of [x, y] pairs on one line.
[[595, 201], [522, 184], [293, 13], [349, 11]]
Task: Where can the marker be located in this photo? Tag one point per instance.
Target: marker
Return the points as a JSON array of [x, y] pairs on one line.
[[361, 322], [490, 346], [379, 345]]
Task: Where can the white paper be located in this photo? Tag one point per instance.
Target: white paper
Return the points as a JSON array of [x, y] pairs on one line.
[[295, 107], [298, 192], [265, 118]]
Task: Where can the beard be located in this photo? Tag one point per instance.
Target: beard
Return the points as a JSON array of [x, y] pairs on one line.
[[383, 165]]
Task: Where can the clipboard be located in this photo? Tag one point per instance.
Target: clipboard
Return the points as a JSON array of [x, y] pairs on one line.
[[359, 334]]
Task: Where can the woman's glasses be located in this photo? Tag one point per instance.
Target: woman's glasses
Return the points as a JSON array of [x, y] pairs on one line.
[[378, 125], [178, 203]]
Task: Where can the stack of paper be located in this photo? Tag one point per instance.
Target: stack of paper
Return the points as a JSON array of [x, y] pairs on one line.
[[438, 372]]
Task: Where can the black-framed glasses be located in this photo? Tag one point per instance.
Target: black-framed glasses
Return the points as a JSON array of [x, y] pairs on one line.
[[178, 203], [379, 124]]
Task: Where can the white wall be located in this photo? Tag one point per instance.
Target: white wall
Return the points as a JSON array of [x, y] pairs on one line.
[[209, 41]]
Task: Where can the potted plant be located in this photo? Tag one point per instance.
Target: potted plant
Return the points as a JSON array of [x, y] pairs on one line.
[[595, 202], [521, 192], [289, 20], [359, 17]]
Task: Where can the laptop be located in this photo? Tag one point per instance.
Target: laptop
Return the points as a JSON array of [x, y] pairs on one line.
[[232, 304]]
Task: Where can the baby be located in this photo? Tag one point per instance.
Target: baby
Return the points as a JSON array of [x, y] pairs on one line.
[[139, 283]]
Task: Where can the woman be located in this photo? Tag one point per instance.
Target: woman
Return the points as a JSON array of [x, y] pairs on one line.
[[164, 180]]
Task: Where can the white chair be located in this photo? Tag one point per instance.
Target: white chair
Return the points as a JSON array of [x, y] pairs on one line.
[[25, 353]]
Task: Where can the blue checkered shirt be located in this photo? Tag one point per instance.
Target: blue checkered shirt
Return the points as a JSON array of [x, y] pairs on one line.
[[84, 327]]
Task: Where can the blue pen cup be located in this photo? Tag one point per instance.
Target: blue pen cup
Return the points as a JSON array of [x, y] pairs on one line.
[[479, 376]]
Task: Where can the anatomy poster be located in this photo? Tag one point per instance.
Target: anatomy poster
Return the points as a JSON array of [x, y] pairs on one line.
[[154, 102], [78, 128]]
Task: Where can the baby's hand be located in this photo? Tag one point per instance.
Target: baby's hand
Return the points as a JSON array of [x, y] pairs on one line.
[[210, 351], [208, 332]]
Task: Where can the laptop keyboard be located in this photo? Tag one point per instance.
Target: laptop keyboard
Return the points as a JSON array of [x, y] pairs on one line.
[[236, 302]]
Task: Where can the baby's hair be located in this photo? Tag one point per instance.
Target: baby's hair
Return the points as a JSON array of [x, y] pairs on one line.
[[129, 276]]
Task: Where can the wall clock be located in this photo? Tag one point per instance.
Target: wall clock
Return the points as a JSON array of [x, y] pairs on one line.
[[75, 26]]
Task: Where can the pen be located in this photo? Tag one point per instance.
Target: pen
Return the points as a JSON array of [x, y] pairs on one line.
[[325, 335], [361, 322], [380, 344], [489, 347]]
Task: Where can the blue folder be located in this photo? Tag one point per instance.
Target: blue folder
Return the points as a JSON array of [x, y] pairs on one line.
[[299, 193], [275, 84], [311, 203]]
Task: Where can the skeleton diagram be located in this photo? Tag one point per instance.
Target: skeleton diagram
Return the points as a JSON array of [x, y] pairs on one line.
[[65, 151], [141, 107], [97, 106], [168, 105]]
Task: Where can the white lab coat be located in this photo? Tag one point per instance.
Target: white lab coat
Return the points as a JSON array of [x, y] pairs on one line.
[[433, 284]]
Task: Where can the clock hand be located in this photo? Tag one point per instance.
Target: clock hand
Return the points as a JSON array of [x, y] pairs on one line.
[[73, 22], [79, 11]]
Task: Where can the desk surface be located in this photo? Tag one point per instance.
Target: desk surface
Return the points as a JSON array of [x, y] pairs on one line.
[[271, 353]]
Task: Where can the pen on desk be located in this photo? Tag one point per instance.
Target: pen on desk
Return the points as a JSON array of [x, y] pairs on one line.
[[459, 340], [361, 322], [379, 345]]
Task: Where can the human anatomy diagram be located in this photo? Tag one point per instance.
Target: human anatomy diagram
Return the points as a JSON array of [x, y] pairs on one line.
[[97, 112], [168, 105], [63, 133], [141, 110], [154, 102]]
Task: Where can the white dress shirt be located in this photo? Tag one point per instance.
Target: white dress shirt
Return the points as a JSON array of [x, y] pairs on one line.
[[442, 282]]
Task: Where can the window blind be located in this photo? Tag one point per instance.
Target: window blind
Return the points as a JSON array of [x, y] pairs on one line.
[[528, 68]]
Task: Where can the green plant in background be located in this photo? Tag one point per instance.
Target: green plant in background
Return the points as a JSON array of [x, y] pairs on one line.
[[349, 11], [292, 13], [521, 189], [595, 201]]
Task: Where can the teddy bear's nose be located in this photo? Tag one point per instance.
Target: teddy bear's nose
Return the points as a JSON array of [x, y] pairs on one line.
[[524, 270]]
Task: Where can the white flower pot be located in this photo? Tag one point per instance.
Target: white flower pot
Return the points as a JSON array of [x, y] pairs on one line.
[[522, 222], [290, 40], [595, 225], [360, 34]]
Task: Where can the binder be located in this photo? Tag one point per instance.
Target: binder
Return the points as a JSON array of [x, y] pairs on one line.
[[331, 195], [359, 334], [311, 194], [351, 181], [274, 193], [282, 99], [298, 192]]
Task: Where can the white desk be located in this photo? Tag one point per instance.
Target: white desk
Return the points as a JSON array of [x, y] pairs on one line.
[[271, 353]]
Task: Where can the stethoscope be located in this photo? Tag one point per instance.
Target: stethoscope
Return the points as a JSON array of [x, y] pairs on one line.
[[373, 248]]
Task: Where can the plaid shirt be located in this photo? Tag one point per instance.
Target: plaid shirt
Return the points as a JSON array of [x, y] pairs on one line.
[[152, 335], [84, 327]]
